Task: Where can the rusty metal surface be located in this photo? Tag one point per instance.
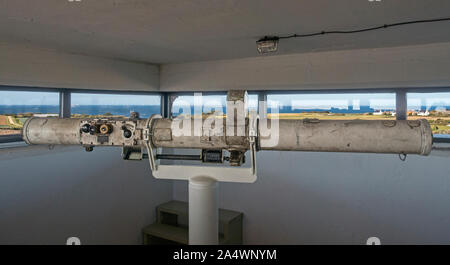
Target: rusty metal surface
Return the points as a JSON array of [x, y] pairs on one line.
[[51, 131], [374, 136], [370, 136], [205, 139]]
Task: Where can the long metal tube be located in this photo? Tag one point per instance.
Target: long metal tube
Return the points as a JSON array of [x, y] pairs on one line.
[[51, 131], [370, 136]]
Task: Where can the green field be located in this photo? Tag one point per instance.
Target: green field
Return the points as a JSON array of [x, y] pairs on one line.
[[440, 124]]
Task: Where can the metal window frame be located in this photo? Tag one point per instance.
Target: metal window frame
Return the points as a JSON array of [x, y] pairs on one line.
[[171, 96], [64, 105], [436, 138], [394, 91], [401, 95], [401, 98], [118, 92]]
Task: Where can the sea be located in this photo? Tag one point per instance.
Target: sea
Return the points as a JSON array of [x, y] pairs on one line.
[[147, 110], [123, 110]]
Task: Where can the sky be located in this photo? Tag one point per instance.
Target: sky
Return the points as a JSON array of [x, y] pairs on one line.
[[52, 98], [28, 98], [105, 99]]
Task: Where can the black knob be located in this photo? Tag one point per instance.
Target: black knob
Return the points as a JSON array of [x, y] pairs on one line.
[[93, 129], [85, 128], [127, 133], [134, 115]]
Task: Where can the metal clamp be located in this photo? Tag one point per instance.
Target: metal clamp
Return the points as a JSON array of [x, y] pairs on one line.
[[147, 135], [186, 172]]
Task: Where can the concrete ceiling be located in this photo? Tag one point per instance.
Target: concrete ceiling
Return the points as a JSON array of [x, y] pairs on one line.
[[171, 31]]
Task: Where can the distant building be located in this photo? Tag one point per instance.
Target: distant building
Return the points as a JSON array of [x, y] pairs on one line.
[[378, 112], [423, 113], [45, 115]]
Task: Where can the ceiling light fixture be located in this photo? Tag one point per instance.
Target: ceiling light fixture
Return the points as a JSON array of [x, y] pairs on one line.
[[267, 44]]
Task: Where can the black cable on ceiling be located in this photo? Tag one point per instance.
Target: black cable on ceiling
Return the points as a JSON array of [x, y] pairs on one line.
[[364, 29]]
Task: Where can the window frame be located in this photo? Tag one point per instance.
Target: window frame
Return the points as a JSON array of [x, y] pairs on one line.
[[436, 139], [337, 91], [112, 92], [401, 95], [171, 96], [64, 104], [167, 98]]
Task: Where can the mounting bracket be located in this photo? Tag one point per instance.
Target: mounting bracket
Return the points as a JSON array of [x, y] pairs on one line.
[[186, 172]]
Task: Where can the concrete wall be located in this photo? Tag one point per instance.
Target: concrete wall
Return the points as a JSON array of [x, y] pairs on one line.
[[47, 196], [33, 66], [299, 198], [330, 198], [396, 67]]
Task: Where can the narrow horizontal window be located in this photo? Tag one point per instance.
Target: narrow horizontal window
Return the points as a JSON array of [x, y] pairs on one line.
[[18, 106], [332, 106], [113, 105], [204, 104], [207, 104], [434, 107]]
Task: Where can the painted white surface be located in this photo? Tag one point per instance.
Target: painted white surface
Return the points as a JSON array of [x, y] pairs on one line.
[[397, 67], [173, 31], [331, 198], [407, 66], [26, 66], [299, 198], [203, 211], [48, 196]]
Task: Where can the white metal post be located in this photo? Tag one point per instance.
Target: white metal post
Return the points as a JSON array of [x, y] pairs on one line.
[[203, 211]]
